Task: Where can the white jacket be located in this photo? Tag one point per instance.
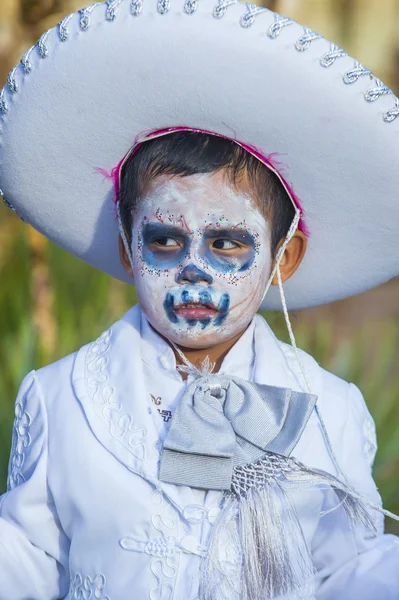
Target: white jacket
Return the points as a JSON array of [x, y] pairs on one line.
[[86, 517]]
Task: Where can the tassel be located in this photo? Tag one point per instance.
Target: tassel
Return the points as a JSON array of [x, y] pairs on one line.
[[274, 563], [274, 560], [260, 521]]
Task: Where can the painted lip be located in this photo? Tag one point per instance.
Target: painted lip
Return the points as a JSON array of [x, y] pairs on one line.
[[202, 310], [196, 310]]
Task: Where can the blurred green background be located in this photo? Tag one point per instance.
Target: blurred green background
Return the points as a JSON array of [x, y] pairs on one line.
[[52, 303]]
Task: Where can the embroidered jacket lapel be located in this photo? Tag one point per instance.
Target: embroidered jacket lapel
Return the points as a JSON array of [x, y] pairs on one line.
[[109, 382]]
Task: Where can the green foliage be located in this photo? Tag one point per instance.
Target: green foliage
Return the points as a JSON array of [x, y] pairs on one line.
[[87, 301]]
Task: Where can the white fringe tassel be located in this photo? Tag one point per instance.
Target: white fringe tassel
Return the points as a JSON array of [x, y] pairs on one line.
[[260, 518]]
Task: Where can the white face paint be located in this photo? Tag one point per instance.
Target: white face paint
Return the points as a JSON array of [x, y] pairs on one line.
[[201, 258]]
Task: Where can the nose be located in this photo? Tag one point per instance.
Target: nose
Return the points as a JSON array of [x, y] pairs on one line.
[[192, 274]]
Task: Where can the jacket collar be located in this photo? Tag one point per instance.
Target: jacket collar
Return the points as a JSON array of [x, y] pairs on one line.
[[158, 353], [109, 382]]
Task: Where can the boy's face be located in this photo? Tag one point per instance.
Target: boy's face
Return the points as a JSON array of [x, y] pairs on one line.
[[201, 258]]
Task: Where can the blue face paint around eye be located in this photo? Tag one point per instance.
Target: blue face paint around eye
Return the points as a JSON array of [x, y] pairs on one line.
[[158, 258], [156, 255], [164, 247], [223, 262]]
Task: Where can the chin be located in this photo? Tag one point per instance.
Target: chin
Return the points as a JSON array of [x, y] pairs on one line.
[[197, 343], [195, 336]]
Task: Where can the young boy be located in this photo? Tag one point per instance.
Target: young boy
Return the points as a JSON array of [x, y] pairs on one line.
[[187, 453]]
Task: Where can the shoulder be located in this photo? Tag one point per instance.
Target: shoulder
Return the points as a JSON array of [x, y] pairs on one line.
[[329, 388], [334, 393], [64, 379], [55, 380], [56, 375], [340, 403], [34, 385], [42, 388], [348, 422], [62, 371], [344, 408]]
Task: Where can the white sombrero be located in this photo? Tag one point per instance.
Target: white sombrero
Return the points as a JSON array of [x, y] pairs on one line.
[[103, 76]]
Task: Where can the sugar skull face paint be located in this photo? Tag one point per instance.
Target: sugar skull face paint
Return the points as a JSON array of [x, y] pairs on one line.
[[201, 258]]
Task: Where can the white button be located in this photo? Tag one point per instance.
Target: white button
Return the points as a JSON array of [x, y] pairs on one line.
[[189, 544]]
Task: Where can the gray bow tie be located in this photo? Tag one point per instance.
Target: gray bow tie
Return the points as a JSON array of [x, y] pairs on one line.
[[221, 422]]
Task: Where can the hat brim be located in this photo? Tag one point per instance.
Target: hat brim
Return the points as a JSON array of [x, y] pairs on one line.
[[84, 103]]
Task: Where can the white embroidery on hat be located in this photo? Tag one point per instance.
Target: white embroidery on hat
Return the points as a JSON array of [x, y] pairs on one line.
[[392, 113], [303, 43], [136, 7], [110, 13], [279, 23], [3, 103], [84, 14], [376, 92], [163, 6], [25, 62], [190, 6], [221, 7], [63, 30], [252, 11], [329, 58], [12, 84], [42, 46], [357, 71]]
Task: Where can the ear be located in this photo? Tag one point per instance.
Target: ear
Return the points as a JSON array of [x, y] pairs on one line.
[[292, 257], [124, 257]]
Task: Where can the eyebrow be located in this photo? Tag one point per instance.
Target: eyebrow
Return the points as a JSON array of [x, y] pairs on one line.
[[155, 229], [162, 229], [230, 233]]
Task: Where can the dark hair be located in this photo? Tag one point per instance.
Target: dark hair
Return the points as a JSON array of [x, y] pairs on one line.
[[186, 153]]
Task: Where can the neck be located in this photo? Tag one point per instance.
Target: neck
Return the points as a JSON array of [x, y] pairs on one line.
[[216, 353]]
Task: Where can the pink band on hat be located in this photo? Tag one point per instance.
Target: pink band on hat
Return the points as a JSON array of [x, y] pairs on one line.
[[269, 161]]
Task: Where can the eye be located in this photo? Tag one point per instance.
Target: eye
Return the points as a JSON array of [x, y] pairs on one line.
[[225, 245], [165, 242]]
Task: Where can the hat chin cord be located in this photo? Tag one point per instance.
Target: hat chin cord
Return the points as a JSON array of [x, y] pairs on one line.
[[124, 238], [275, 271]]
